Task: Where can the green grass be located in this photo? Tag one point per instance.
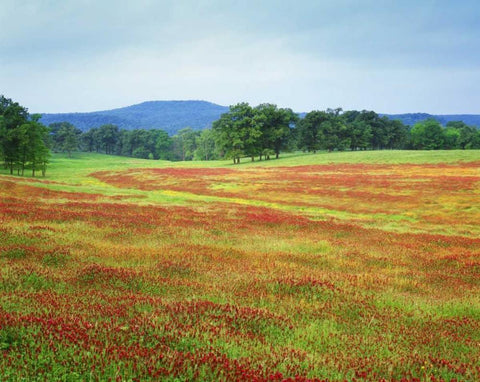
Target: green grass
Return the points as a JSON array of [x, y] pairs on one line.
[[377, 157], [75, 170]]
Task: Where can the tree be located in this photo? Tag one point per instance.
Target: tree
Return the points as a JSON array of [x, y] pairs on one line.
[[378, 139], [3, 133], [23, 139], [65, 137], [451, 138], [237, 132], [38, 135], [31, 148], [205, 144], [467, 135], [334, 131], [360, 134], [108, 135], [13, 116], [163, 145], [396, 134], [141, 152], [276, 127], [310, 130], [88, 140], [184, 144], [427, 135]]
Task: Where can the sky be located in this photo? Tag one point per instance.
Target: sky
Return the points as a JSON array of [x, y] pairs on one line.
[[390, 56]]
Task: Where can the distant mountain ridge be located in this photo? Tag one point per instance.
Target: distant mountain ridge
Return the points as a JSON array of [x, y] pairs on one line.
[[173, 116], [170, 116], [412, 118]]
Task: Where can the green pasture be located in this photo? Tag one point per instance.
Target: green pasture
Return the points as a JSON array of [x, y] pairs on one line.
[[76, 170]]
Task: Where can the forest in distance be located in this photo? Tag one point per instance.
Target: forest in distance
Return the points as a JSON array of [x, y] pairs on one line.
[[265, 131], [259, 132]]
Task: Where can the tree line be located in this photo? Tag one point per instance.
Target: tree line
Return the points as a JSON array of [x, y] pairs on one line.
[[23, 139], [262, 132], [187, 144], [265, 131]]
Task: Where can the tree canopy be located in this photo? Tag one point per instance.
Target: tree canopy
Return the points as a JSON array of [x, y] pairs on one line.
[[23, 139]]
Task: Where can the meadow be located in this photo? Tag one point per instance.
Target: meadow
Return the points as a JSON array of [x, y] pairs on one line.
[[358, 266]]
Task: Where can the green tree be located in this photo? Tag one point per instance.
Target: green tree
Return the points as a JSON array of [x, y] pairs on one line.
[[380, 137], [141, 152], [205, 143], [467, 135], [163, 145], [237, 132], [396, 134], [334, 131], [13, 116], [427, 135], [184, 144], [3, 133], [108, 135], [32, 149], [360, 134], [65, 137], [23, 139], [38, 136], [88, 140], [451, 138], [310, 130], [276, 126]]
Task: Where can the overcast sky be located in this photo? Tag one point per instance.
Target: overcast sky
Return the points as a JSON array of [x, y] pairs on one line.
[[391, 56]]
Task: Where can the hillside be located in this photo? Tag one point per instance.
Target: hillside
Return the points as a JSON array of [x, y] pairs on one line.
[[412, 118], [170, 116]]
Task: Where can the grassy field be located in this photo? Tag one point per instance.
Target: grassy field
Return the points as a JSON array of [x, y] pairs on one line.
[[342, 266]]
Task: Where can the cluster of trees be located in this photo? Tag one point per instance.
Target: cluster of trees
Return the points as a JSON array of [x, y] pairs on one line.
[[187, 144], [430, 135], [266, 130], [244, 131], [351, 130], [23, 139], [260, 131]]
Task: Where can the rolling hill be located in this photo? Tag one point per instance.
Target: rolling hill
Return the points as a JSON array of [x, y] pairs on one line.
[[172, 116]]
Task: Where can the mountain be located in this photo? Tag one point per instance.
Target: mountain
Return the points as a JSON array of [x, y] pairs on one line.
[[412, 118], [170, 116]]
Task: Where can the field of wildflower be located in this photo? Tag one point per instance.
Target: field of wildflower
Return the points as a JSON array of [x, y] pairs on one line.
[[341, 266]]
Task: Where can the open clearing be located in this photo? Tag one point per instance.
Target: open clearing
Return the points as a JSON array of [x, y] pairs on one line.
[[360, 265]]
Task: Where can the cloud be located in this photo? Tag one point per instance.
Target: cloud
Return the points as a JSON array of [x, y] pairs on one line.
[[85, 55]]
